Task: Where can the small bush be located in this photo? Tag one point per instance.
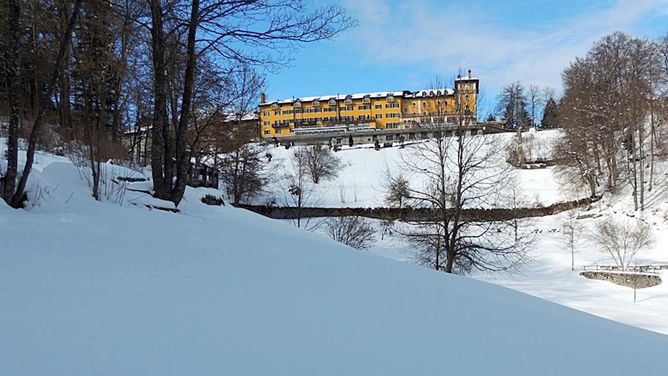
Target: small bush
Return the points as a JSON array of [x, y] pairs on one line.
[[353, 231]]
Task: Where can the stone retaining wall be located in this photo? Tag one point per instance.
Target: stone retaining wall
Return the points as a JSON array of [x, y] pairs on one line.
[[638, 280], [415, 214]]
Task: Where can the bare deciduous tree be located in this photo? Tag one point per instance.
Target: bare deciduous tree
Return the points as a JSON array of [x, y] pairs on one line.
[[397, 190], [321, 163], [226, 29], [535, 101], [243, 172], [42, 99], [454, 171], [352, 231], [512, 106], [622, 239], [298, 187], [607, 113]]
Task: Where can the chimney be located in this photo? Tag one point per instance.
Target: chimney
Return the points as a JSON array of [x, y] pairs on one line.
[[469, 73], [263, 98]]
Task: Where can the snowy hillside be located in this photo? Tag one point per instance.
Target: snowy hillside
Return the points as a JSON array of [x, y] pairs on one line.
[[547, 272], [96, 288], [362, 181]]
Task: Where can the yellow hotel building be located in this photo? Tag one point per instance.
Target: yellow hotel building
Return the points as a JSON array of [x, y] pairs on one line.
[[384, 110]]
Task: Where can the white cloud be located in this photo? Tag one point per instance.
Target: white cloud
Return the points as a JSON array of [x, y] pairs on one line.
[[442, 39]]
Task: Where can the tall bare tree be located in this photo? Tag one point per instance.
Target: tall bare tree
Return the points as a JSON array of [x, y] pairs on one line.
[[227, 29], [512, 106], [607, 102], [458, 171], [42, 100], [11, 12], [535, 101]]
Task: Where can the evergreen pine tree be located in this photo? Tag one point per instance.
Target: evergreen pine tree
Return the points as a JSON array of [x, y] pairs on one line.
[[550, 115]]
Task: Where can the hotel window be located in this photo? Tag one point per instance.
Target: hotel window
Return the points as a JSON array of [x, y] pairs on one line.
[[266, 113], [378, 106], [379, 116], [266, 123], [392, 115], [392, 105], [277, 112], [364, 107]]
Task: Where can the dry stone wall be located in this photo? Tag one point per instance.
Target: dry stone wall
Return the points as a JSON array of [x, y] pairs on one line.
[[637, 280]]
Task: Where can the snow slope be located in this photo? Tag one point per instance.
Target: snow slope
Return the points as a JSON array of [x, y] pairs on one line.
[[547, 274], [362, 182], [90, 288]]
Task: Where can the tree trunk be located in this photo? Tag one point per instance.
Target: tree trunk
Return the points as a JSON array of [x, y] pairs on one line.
[[159, 164], [634, 169], [13, 93], [641, 170], [652, 132], [171, 159], [182, 154]]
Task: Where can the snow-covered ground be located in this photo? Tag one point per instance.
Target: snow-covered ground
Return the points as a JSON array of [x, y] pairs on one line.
[[547, 274], [93, 288], [100, 288], [362, 181]]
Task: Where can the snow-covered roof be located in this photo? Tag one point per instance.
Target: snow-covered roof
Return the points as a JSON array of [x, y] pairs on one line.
[[375, 95]]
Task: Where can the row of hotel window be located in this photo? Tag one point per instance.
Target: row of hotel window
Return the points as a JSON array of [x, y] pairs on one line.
[[313, 121], [387, 126], [334, 118], [329, 109], [347, 108]]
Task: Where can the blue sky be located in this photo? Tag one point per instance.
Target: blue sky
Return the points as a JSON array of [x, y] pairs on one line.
[[407, 44]]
